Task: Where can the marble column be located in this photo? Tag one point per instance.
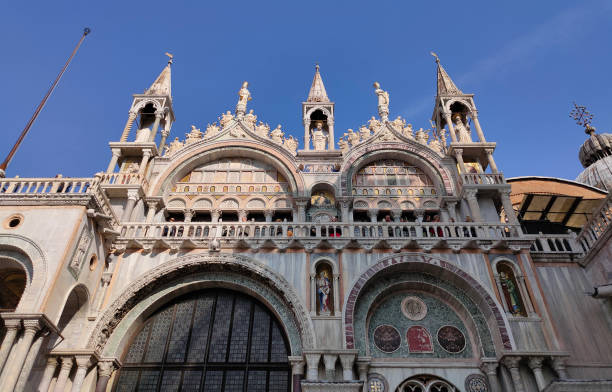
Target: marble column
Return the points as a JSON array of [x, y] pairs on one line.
[[490, 370], [507, 204], [558, 363], [373, 213], [132, 196], [470, 196], [396, 215], [83, 363], [535, 363], [242, 216], [128, 126], [146, 154], [29, 361], [329, 360], [113, 162], [301, 205], [12, 328], [451, 206], [312, 366], [152, 210], [512, 363], [215, 215], [189, 213], [344, 208], [459, 157], [362, 368], [477, 126], [158, 116], [60, 384], [47, 375], [489, 152], [525, 294], [268, 214], [31, 327], [420, 214], [297, 373], [347, 361], [162, 143], [451, 127], [105, 370], [331, 140], [307, 135]]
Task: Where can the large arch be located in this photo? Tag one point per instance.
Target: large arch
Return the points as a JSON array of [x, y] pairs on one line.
[[30, 257], [415, 153], [199, 153], [196, 272], [420, 262]]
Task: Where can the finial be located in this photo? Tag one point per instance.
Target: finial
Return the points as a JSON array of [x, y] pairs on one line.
[[317, 67], [170, 57], [436, 56], [583, 118]]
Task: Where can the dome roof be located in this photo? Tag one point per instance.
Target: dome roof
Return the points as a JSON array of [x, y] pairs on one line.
[[596, 147], [598, 174]]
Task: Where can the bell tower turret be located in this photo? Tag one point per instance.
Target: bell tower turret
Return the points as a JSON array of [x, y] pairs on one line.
[[318, 117]]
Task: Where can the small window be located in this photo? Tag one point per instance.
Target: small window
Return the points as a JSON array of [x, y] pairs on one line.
[[13, 221], [93, 261]]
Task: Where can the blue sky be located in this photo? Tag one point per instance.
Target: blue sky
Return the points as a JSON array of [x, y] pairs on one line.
[[524, 61]]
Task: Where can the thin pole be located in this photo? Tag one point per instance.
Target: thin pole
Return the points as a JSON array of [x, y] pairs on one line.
[[4, 164]]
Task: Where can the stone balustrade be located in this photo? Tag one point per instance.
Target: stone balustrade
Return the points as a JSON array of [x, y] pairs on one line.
[[596, 226], [482, 179], [562, 244], [31, 186], [122, 179]]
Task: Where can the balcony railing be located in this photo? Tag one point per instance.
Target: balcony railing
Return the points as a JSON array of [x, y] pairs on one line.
[[561, 244], [596, 226], [265, 230], [482, 179], [37, 186], [124, 179]]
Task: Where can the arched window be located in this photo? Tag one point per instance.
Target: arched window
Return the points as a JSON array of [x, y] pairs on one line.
[[426, 383], [511, 290], [212, 340]]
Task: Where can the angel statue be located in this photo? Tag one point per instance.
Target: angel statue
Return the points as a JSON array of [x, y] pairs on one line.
[[383, 102], [343, 144], [250, 118], [211, 130], [291, 144], [243, 97], [277, 135], [364, 132], [353, 137], [225, 119], [193, 136]]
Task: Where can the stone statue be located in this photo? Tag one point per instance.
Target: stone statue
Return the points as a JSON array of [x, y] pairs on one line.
[[364, 132], [277, 135], [343, 144], [461, 130], [194, 136], [262, 130], [319, 139], [243, 97], [353, 137], [142, 135], [407, 131], [374, 125], [383, 102], [512, 293], [250, 119], [398, 124], [421, 136], [211, 130], [435, 145], [226, 118], [174, 146], [133, 168], [291, 144]]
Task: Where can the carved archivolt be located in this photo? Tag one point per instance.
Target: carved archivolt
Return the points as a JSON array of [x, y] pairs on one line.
[[186, 265]]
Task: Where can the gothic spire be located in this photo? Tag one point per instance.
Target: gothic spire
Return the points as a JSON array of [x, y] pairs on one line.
[[446, 86], [317, 90], [162, 85]]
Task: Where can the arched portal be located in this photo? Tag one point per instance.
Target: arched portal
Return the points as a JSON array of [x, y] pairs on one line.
[[426, 383], [208, 340]]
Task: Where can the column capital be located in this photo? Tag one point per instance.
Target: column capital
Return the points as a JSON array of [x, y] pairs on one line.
[[489, 368], [159, 114], [512, 362], [132, 194], [458, 152], [106, 277], [51, 361], [12, 324], [470, 193], [347, 360], [32, 325], [83, 361], [474, 113], [67, 363], [489, 151], [558, 363], [106, 368], [147, 152], [132, 114], [165, 132], [535, 362], [312, 359], [116, 151], [297, 365], [330, 122]]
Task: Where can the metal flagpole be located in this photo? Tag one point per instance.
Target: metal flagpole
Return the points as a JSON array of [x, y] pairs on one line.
[[4, 164]]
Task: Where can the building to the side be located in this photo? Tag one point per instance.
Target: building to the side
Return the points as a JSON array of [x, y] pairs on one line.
[[391, 259]]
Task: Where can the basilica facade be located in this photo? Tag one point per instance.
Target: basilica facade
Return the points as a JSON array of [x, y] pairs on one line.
[[240, 259]]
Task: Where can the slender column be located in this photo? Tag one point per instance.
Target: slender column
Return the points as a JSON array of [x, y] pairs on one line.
[[478, 128], [373, 213], [162, 143], [512, 363], [535, 363], [362, 368], [214, 215], [344, 208], [31, 327], [451, 127], [188, 214], [347, 361], [47, 375], [470, 195], [158, 116], [301, 205], [451, 206], [128, 126], [507, 204], [297, 373], [105, 370], [152, 209], [489, 152], [490, 370], [83, 363], [62, 377], [132, 196], [419, 213], [268, 214], [29, 362], [523, 289], [242, 215], [332, 140], [312, 369], [146, 154], [307, 135], [336, 299], [12, 327], [459, 157], [113, 162], [558, 363], [329, 360]]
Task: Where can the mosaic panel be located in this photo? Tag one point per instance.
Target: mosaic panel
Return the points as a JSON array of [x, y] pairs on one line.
[[419, 340], [387, 338], [451, 339], [476, 383]]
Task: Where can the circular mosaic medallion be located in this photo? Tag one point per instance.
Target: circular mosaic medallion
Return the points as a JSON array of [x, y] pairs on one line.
[[414, 308], [376, 383], [451, 339], [476, 383], [386, 338]]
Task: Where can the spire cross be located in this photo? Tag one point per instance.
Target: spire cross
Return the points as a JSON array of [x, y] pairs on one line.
[[582, 117]]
